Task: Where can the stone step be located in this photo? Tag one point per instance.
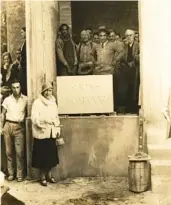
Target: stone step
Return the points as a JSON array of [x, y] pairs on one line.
[[161, 167], [156, 134], [161, 184], [160, 152], [155, 139]]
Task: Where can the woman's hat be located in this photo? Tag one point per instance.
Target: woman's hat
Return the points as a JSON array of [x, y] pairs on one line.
[[46, 86]]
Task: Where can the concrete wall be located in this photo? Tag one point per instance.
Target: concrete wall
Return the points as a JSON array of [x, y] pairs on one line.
[[96, 146]]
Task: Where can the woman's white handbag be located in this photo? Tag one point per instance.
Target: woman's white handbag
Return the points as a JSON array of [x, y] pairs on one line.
[[60, 141]]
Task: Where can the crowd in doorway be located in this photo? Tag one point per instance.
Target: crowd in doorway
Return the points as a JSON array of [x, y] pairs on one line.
[[103, 52], [100, 52]]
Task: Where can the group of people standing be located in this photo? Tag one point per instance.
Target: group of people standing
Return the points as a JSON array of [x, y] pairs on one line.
[[45, 131], [99, 53], [44, 117], [103, 53]]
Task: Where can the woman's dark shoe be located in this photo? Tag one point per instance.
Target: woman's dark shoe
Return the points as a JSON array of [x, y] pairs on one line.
[[43, 182], [52, 180], [19, 179]]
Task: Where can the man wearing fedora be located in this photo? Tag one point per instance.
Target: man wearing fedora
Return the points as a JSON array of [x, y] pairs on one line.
[[45, 130]]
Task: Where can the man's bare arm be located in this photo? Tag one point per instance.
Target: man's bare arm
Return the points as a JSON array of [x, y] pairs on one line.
[[3, 115]]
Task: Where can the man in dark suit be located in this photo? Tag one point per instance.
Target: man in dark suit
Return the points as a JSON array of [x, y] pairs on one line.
[[24, 62], [127, 77], [132, 59]]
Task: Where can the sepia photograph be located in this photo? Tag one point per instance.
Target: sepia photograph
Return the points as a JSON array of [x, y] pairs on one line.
[[85, 102]]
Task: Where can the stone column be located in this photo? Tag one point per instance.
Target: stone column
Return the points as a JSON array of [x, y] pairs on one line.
[[155, 60], [41, 30], [15, 17], [3, 28]]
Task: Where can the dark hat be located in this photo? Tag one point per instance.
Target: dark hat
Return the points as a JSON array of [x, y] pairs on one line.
[[46, 86]]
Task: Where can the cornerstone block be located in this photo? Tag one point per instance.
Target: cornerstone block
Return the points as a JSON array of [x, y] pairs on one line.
[[85, 94]]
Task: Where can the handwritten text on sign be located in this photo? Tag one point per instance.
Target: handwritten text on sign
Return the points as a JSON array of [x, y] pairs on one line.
[[85, 94]]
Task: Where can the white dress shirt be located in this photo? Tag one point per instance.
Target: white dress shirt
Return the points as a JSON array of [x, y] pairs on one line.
[[16, 108]]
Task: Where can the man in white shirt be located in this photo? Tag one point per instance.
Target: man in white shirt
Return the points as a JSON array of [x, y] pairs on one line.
[[13, 115]]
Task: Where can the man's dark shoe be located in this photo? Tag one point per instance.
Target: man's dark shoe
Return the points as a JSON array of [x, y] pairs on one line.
[[10, 178], [43, 182], [52, 180], [19, 179]]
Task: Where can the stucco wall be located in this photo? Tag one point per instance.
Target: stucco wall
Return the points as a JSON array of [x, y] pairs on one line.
[[96, 146]]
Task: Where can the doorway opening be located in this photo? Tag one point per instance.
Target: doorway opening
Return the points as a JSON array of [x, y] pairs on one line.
[[118, 16]]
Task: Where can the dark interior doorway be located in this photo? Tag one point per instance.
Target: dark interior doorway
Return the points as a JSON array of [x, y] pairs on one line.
[[117, 15]]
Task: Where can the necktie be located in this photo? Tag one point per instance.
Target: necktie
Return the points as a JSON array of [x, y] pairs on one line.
[[102, 45]]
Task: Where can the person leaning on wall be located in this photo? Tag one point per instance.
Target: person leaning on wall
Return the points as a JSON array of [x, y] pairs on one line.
[[45, 130]]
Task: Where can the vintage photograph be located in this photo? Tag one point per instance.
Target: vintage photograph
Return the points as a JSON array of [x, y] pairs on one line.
[[78, 112]]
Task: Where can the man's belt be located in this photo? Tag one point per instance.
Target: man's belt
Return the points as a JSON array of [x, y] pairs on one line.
[[14, 122]]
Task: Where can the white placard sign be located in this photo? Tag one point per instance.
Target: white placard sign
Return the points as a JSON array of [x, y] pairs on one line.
[[85, 94]]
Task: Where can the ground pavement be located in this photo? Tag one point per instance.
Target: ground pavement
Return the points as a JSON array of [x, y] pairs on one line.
[[84, 191]]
